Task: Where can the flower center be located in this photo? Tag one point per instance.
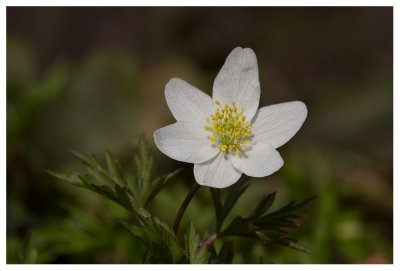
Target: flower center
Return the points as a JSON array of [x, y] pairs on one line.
[[229, 129]]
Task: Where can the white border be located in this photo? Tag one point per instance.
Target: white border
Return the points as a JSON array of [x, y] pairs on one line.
[[396, 101]]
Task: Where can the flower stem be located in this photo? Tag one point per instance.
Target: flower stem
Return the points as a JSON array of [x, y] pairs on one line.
[[184, 205], [209, 240]]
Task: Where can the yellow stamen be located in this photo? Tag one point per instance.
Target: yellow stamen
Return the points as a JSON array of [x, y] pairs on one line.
[[229, 128]]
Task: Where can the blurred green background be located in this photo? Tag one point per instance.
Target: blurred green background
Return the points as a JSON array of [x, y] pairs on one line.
[[92, 79]]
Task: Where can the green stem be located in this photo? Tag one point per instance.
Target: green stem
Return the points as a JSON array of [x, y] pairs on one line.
[[184, 206]]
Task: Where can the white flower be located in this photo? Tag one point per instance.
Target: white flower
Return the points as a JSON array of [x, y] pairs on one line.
[[227, 135]]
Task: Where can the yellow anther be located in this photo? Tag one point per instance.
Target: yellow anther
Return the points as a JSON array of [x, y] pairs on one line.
[[229, 128]]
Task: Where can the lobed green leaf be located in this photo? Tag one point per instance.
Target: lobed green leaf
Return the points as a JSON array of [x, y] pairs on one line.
[[270, 228], [195, 253], [159, 239]]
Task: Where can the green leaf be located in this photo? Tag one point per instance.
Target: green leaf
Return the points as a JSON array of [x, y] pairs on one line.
[[145, 187], [118, 194], [292, 243], [143, 164], [105, 178], [263, 206], [94, 167], [74, 179], [151, 191], [114, 169], [239, 227], [234, 194], [270, 228], [222, 209], [114, 192], [291, 209], [159, 239], [195, 253]]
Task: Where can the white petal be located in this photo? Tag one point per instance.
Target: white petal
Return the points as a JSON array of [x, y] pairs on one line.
[[186, 102], [259, 160], [186, 142], [218, 172], [238, 81], [277, 124]]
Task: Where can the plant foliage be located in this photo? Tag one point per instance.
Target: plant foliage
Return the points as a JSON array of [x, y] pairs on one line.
[[106, 178]]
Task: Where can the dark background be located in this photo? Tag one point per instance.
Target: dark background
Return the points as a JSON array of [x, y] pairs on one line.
[[92, 79]]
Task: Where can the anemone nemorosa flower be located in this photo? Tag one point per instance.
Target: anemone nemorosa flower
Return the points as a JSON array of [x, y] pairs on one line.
[[227, 135]]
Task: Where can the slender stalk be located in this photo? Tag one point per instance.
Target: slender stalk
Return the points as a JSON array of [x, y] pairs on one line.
[[209, 240], [184, 205]]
